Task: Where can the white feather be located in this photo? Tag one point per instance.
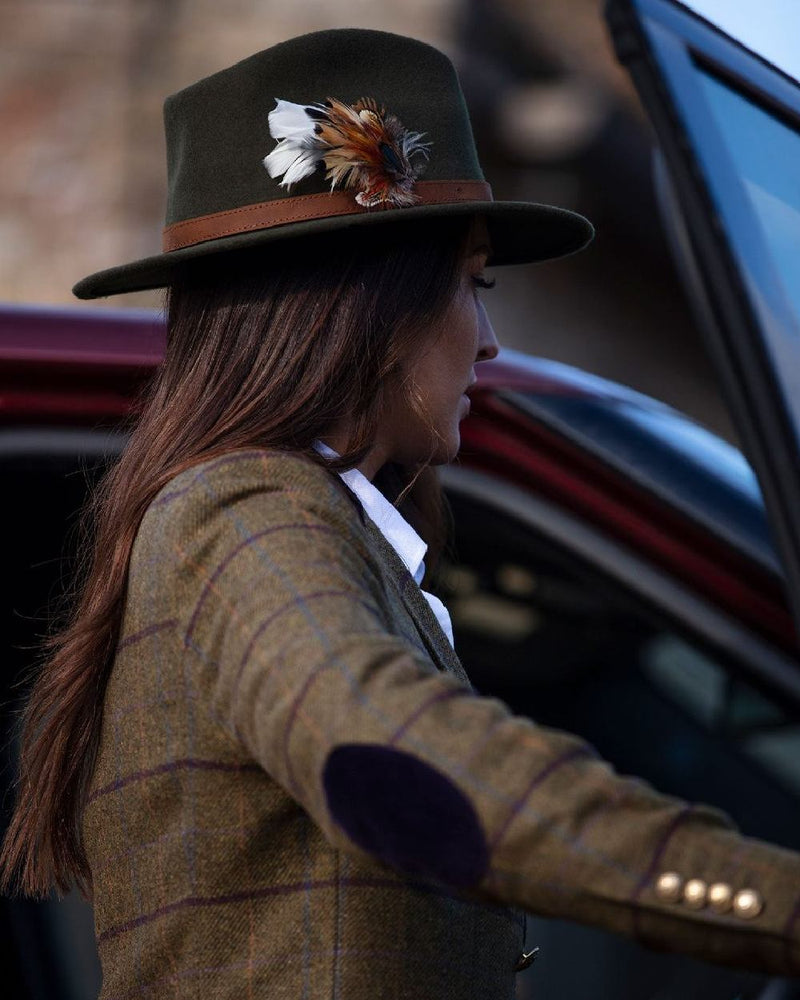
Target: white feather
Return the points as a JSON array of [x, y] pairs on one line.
[[291, 121], [281, 158], [297, 153], [294, 165], [305, 164]]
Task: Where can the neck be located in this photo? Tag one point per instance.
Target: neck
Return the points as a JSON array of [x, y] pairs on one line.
[[370, 465]]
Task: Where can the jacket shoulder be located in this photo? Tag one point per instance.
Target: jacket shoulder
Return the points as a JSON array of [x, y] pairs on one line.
[[209, 511], [272, 481]]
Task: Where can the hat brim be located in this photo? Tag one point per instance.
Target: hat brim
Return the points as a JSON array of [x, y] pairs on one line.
[[521, 233]]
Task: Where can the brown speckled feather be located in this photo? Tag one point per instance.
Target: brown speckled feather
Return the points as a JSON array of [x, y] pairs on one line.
[[370, 150]]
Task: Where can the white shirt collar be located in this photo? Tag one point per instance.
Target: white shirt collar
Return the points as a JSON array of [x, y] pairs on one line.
[[387, 519]]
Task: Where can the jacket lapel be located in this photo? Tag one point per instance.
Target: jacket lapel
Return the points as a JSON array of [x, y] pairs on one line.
[[405, 587]]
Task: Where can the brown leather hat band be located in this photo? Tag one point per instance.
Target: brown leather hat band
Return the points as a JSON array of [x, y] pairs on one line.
[[308, 206]]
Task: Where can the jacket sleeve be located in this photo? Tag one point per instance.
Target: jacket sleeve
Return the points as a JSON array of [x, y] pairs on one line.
[[287, 630]]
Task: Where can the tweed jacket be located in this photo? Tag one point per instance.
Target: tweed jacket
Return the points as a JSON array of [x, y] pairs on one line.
[[299, 795]]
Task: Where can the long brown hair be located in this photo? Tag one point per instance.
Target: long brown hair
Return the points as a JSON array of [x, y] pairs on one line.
[[265, 348]]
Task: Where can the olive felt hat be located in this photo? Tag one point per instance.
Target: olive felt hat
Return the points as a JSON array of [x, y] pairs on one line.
[[328, 131]]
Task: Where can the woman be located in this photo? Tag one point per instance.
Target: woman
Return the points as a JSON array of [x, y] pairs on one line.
[[254, 745]]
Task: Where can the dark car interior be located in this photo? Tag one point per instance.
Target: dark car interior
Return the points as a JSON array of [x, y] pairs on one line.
[[561, 643], [47, 948]]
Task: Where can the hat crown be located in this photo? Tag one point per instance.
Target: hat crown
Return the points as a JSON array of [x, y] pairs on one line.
[[218, 134]]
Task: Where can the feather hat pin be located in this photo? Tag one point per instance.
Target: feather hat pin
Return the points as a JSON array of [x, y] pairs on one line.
[[361, 146]]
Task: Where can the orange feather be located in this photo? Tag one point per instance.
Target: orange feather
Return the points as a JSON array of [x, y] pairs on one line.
[[367, 149]]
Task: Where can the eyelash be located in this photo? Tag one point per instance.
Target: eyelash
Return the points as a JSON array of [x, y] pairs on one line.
[[484, 282]]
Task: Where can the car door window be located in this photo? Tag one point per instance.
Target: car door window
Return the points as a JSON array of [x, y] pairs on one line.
[[760, 727], [766, 152], [568, 646]]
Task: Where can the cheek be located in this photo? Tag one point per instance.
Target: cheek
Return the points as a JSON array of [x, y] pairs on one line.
[[466, 350], [442, 373]]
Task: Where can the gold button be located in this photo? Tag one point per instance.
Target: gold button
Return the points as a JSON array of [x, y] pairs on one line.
[[694, 893], [720, 897], [669, 886], [747, 903]]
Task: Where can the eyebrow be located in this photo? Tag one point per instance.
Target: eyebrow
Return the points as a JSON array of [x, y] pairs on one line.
[[483, 247]]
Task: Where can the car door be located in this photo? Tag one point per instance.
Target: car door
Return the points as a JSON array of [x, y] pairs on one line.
[[587, 634], [727, 122]]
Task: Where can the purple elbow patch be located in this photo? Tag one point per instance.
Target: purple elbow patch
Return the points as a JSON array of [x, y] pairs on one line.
[[405, 813]]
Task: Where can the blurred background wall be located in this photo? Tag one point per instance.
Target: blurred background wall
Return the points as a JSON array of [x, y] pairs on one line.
[[83, 177]]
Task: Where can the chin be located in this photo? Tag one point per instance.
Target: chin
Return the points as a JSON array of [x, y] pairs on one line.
[[447, 451], [419, 451]]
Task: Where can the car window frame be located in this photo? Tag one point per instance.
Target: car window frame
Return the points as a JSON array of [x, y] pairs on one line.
[[659, 42]]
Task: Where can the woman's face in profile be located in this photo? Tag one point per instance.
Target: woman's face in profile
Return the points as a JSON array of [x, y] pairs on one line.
[[442, 372]]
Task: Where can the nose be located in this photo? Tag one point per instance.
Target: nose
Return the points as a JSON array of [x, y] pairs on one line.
[[488, 346]]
